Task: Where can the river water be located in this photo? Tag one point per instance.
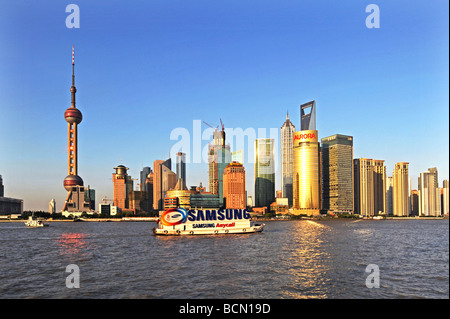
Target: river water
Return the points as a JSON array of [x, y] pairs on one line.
[[290, 259]]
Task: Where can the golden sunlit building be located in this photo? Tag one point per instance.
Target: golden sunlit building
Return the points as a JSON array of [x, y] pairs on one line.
[[306, 186], [123, 186], [370, 186], [234, 186], [307, 189], [179, 196], [401, 199]]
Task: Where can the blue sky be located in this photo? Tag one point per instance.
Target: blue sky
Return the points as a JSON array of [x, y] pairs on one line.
[[144, 68]]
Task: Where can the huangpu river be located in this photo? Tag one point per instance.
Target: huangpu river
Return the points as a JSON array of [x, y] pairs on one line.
[[290, 259]]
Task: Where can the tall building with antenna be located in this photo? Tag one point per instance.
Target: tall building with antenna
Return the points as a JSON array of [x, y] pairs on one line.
[[73, 183], [287, 158], [219, 156]]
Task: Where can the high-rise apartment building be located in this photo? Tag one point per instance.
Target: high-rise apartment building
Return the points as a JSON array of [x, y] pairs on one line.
[[401, 190], [389, 196], [287, 159], [264, 172], [337, 173], [429, 194], [370, 186], [234, 193], [414, 202], [163, 180], [445, 198], [307, 189]]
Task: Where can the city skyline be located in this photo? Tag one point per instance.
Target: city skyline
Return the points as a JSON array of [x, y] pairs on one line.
[[139, 78]]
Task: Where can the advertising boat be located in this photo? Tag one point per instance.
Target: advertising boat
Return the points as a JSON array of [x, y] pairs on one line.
[[179, 221]]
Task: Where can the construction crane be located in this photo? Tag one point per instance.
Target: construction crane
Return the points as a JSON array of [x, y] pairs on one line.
[[107, 200], [217, 127]]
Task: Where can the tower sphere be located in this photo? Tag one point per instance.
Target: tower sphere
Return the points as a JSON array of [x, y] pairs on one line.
[[73, 115], [72, 180]]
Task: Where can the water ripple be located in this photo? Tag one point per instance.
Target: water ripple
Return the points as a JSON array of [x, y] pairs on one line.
[[301, 259]]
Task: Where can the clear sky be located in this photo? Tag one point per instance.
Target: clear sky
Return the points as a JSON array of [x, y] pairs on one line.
[[145, 68]]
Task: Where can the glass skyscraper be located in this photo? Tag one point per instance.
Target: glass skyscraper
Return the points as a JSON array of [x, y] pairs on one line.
[[181, 167], [337, 173], [287, 159], [307, 175], [219, 156], [264, 172]]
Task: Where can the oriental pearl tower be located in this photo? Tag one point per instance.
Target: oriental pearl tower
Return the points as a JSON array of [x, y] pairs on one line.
[[73, 117]]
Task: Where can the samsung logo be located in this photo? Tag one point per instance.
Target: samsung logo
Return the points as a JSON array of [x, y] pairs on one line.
[[221, 214]]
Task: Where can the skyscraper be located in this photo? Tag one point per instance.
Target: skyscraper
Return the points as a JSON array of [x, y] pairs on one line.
[[264, 172], [143, 177], [370, 186], [337, 173], [308, 116], [149, 187], [73, 183], [307, 190], [234, 186], [414, 202], [445, 197], [287, 159], [2, 188], [401, 190], [163, 180], [389, 196], [123, 186], [219, 156], [181, 168], [429, 195], [52, 206]]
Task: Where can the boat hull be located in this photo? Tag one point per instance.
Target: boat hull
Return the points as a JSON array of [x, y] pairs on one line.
[[240, 230]]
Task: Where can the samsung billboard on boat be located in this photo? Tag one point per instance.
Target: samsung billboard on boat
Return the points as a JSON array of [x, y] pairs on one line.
[[177, 216]]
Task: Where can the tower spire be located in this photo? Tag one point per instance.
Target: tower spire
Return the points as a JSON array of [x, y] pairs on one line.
[[73, 89]]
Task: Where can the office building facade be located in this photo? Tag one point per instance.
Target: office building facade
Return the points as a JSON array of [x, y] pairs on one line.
[[143, 177], [337, 173], [219, 156], [264, 172], [307, 189], [181, 167], [287, 159], [234, 192], [307, 175], [122, 187], [163, 180]]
